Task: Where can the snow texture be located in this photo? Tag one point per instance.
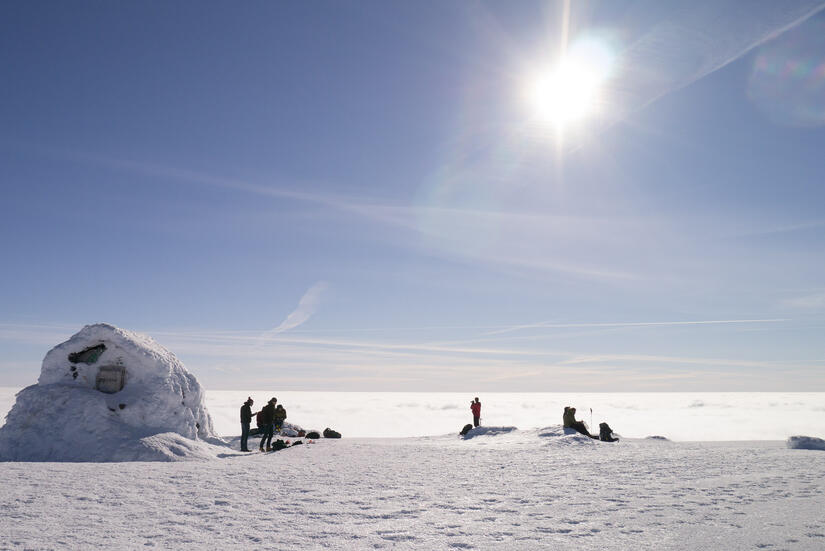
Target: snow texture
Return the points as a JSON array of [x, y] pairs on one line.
[[806, 443], [158, 415], [521, 490]]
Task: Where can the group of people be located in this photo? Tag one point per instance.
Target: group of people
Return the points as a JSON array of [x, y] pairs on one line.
[[269, 420], [569, 419]]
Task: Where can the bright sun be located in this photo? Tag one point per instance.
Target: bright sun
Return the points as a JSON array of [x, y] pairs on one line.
[[571, 90], [566, 94]]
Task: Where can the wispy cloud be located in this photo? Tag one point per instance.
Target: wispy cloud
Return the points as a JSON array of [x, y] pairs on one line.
[[788, 228], [224, 359], [307, 306], [552, 325], [813, 301]]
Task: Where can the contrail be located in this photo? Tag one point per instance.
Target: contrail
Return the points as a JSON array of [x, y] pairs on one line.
[[701, 38], [630, 324], [307, 306]]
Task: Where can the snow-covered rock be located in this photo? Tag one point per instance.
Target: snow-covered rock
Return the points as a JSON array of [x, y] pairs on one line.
[[488, 431], [108, 394], [806, 443]]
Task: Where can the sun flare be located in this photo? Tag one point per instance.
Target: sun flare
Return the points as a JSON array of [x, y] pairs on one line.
[[572, 89], [566, 94]]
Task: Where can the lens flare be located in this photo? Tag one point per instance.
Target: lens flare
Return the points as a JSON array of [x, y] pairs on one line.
[[787, 82]]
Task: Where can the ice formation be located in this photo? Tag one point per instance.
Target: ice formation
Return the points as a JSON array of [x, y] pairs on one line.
[[108, 394]]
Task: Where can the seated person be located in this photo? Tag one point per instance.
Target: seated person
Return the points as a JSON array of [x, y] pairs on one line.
[[280, 416], [570, 422]]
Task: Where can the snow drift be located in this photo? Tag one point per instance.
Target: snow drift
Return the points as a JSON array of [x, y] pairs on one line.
[[108, 394], [806, 443], [488, 431], [565, 436]]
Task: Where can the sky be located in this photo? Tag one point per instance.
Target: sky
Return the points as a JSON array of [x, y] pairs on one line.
[[373, 196]]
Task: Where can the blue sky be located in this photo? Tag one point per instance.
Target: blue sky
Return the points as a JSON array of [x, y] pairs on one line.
[[356, 195]]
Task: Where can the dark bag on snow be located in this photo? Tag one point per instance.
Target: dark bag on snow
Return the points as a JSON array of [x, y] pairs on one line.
[[312, 435], [467, 428], [606, 433], [329, 433]]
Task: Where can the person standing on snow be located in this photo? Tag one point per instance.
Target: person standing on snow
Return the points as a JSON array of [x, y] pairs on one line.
[[475, 407], [268, 412], [246, 419]]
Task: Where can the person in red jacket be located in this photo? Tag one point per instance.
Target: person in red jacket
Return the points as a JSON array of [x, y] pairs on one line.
[[475, 407]]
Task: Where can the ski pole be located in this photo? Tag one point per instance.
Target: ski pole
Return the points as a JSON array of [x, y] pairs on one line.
[[591, 418]]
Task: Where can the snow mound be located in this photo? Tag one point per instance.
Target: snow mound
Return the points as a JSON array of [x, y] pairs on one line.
[[108, 394], [806, 443], [564, 435], [168, 446], [488, 431]]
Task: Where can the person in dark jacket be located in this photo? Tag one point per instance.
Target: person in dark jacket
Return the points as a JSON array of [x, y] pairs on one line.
[[475, 407], [280, 416], [268, 419], [570, 422], [246, 419]]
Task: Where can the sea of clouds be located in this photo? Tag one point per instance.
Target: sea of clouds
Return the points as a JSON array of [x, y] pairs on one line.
[[676, 416]]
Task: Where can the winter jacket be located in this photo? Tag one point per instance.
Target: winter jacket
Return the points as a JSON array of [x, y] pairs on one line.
[[269, 414], [280, 414], [569, 417], [476, 409], [246, 414]]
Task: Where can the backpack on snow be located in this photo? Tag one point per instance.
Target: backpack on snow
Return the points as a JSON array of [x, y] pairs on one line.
[[329, 433], [606, 433], [279, 445], [467, 428]]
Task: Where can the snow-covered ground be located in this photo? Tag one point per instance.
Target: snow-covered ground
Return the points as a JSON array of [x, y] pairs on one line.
[[532, 489], [501, 489]]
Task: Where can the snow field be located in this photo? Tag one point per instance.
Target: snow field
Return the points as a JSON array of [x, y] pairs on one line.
[[516, 490], [705, 416], [697, 416]]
